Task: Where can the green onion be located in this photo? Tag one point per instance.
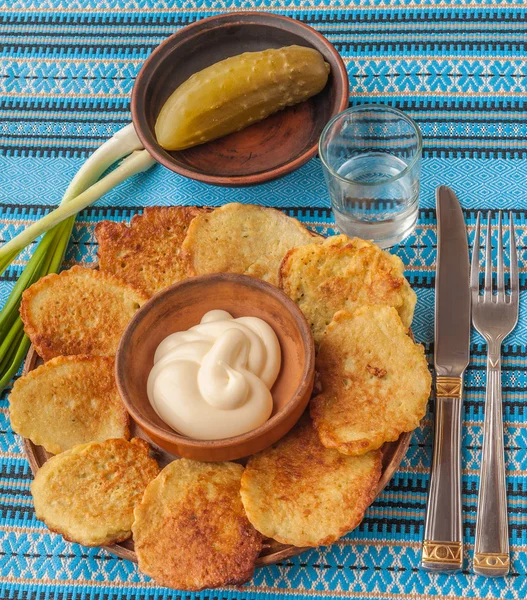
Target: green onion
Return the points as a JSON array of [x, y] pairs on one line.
[[135, 163], [83, 190]]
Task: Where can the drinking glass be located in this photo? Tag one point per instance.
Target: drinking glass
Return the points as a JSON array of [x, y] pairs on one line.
[[371, 157]]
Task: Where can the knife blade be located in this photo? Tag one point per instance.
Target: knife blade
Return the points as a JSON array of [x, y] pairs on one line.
[[452, 300], [443, 537]]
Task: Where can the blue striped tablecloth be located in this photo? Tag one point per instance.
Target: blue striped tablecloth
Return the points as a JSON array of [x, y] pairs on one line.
[[458, 67]]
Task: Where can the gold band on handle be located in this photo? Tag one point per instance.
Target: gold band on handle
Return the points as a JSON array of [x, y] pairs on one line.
[[491, 560], [449, 387], [448, 553]]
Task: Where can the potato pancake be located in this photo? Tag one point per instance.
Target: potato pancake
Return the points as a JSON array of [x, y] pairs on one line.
[[341, 274], [67, 401], [243, 238], [147, 253], [375, 381], [88, 494], [299, 492], [190, 530], [79, 311]]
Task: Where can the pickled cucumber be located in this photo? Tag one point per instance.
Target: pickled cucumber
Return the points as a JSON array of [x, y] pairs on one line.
[[237, 92]]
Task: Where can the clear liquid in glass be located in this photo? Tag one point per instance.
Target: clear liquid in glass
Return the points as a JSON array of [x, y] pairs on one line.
[[391, 214]]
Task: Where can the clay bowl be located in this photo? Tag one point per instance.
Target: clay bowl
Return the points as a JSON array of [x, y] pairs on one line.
[[181, 306], [267, 150]]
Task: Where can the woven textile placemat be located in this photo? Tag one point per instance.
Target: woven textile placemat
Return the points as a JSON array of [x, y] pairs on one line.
[[459, 68]]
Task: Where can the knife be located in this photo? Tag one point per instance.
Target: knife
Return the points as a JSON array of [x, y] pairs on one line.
[[443, 537]]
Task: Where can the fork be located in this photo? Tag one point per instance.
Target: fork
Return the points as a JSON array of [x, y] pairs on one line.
[[494, 316]]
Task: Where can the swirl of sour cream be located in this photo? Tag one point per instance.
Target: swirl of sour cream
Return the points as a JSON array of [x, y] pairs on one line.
[[214, 380]]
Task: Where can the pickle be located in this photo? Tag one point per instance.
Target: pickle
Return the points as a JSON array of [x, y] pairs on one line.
[[237, 92]]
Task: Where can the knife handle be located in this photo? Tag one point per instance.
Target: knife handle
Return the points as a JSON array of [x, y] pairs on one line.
[[443, 538]]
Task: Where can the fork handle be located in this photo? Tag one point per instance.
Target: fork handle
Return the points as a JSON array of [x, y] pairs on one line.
[[491, 548], [443, 538]]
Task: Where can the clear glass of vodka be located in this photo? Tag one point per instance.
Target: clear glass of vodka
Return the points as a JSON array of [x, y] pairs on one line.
[[371, 156]]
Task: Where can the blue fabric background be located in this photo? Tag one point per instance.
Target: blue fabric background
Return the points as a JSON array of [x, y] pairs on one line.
[[459, 68]]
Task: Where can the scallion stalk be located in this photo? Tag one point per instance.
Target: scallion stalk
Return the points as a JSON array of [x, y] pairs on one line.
[[10, 368], [135, 163]]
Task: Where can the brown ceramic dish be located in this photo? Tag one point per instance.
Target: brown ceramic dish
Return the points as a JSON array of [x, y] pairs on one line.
[[183, 305], [267, 150]]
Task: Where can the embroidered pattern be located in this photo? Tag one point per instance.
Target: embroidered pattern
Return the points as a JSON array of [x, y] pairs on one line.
[[459, 68]]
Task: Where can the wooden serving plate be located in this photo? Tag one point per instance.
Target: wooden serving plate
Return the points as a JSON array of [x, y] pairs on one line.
[[272, 552]]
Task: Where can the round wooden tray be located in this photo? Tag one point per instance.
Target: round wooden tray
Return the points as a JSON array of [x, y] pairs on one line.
[[272, 551]]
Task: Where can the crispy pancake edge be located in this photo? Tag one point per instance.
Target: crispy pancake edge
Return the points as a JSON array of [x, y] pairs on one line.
[[334, 244]]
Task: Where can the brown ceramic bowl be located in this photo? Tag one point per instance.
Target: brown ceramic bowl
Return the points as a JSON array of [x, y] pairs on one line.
[[181, 306], [267, 150]]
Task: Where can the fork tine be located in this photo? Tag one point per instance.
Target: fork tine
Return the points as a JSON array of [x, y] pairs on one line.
[[501, 275], [515, 286], [474, 267], [488, 258]]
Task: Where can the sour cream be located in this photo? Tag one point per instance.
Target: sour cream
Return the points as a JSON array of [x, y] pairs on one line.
[[213, 381]]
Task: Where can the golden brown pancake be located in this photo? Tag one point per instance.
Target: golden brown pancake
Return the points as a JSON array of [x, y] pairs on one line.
[[146, 253], [68, 401], [375, 381], [88, 493], [80, 311], [190, 530], [243, 238], [341, 274], [299, 492]]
